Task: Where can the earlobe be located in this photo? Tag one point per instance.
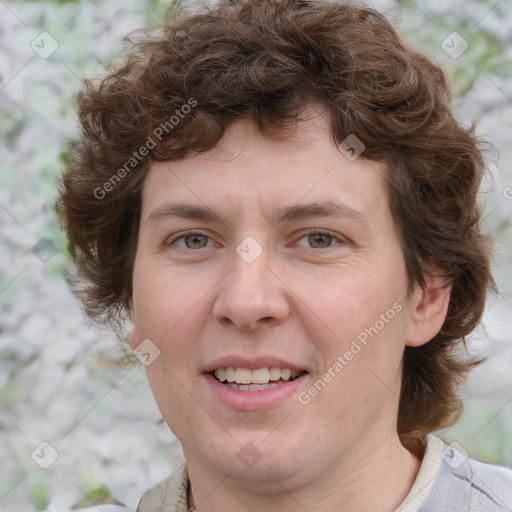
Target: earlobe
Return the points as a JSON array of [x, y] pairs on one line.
[[133, 338], [428, 311]]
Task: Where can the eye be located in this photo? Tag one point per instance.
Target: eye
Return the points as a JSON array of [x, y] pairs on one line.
[[192, 240], [316, 240], [321, 239]]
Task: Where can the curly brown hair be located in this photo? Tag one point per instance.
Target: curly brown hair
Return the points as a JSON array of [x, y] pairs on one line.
[[267, 59]]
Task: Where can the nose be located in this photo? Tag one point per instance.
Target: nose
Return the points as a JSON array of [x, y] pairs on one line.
[[251, 295]]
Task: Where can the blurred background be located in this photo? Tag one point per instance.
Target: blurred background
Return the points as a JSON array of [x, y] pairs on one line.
[[78, 425]]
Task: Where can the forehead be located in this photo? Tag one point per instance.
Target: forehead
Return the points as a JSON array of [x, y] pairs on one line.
[[250, 171]]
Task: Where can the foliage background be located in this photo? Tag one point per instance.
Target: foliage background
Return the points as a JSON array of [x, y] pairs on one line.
[[67, 383]]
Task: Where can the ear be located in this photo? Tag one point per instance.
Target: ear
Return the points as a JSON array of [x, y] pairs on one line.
[[429, 307], [133, 338]]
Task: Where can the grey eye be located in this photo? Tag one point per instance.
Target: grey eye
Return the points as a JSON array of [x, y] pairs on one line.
[[320, 240], [195, 241]]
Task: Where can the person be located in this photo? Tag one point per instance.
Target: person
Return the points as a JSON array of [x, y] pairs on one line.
[[280, 199]]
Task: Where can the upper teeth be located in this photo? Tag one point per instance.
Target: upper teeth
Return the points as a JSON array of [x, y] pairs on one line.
[[258, 376]]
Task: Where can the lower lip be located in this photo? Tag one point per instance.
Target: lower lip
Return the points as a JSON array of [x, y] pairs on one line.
[[252, 400]]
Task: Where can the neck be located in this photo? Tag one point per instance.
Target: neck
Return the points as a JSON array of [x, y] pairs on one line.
[[376, 477]]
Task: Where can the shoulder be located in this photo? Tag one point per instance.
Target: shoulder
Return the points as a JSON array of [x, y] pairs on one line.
[[171, 495], [492, 481], [463, 483]]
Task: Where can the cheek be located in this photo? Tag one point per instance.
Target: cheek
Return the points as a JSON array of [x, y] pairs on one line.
[[172, 394], [353, 300], [367, 312], [364, 368], [164, 302]]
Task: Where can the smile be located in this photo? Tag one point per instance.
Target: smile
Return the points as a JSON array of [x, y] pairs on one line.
[[259, 379]]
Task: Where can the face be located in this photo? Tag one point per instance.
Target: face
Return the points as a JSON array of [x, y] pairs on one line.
[[276, 266]]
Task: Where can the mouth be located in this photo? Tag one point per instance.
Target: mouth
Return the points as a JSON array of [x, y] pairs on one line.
[[250, 384], [259, 379]]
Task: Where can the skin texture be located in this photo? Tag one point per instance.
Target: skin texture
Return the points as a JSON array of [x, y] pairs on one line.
[[304, 299]]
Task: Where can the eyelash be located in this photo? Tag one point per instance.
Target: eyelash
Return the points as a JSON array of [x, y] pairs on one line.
[[310, 232]]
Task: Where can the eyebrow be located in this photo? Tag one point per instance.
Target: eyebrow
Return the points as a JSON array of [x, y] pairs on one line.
[[327, 208]]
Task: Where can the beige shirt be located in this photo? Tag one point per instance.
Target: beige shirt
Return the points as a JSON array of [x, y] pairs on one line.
[[171, 495]]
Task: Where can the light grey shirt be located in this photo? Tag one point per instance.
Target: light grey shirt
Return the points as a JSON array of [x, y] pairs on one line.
[[448, 481]]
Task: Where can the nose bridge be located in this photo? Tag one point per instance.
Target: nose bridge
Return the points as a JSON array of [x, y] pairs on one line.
[[250, 291], [250, 266]]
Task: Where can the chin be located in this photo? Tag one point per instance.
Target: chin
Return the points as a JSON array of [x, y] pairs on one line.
[[260, 462]]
